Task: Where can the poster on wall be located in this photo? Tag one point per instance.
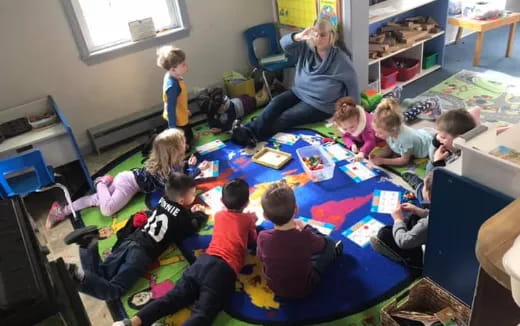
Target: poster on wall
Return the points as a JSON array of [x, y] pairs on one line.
[[298, 13], [329, 9]]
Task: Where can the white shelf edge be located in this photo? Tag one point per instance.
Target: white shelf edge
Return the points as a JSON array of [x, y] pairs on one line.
[[371, 62], [422, 73], [398, 4]]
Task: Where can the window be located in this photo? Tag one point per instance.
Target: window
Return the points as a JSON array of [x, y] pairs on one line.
[[101, 28]]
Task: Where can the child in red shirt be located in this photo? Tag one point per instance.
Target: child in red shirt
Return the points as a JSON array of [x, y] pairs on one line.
[[294, 255], [210, 281]]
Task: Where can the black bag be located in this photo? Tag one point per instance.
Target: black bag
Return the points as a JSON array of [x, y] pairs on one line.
[[243, 136]]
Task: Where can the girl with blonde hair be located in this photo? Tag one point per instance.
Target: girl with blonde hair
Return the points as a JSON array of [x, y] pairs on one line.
[[403, 142], [324, 73], [112, 194]]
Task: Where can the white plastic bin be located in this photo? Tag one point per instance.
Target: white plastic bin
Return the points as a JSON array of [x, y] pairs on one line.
[[317, 175]]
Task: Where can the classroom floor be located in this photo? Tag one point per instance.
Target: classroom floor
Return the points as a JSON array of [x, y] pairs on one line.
[[457, 57]]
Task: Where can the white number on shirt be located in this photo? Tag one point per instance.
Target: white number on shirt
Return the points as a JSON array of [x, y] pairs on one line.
[[157, 226]]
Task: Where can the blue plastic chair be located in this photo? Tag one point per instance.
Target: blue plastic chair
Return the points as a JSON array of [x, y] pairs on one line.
[[27, 173], [268, 31]]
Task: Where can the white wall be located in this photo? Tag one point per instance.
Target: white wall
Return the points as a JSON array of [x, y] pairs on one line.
[[38, 56]]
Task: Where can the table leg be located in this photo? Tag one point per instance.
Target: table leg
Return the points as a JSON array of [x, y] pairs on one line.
[[478, 48], [511, 39], [459, 34]]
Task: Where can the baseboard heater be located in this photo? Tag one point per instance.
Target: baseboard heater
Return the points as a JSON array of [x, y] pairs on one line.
[[117, 130]]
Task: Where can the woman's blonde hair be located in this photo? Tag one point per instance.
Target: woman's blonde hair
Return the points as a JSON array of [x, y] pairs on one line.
[[167, 153], [387, 115], [324, 25], [346, 108]]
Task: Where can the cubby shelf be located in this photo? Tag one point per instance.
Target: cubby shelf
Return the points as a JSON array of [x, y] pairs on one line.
[[399, 6], [405, 49], [422, 73]]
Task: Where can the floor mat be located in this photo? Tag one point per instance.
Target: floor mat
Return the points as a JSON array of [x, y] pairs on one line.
[[354, 287], [496, 93]]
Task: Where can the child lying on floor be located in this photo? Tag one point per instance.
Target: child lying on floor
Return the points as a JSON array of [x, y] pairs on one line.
[[403, 141], [355, 126], [170, 223], [222, 110], [112, 194], [294, 255], [210, 281], [402, 242]]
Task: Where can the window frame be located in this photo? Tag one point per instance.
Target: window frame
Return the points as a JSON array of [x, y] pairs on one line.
[[116, 50]]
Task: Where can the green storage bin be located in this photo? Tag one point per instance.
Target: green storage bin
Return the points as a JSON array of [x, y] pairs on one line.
[[429, 60]]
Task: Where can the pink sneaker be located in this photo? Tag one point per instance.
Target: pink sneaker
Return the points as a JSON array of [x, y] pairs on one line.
[[56, 214], [106, 179]]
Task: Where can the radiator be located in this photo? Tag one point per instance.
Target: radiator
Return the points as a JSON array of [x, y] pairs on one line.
[[114, 131]]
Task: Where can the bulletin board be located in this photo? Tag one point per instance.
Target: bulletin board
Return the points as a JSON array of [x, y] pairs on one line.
[[298, 13], [303, 13]]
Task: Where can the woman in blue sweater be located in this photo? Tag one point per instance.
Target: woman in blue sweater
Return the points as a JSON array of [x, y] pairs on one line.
[[324, 73]]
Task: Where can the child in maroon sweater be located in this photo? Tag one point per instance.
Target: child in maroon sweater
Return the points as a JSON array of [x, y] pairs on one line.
[[210, 281], [294, 255]]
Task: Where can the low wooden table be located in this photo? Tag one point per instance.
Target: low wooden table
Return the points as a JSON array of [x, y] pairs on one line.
[[482, 26]]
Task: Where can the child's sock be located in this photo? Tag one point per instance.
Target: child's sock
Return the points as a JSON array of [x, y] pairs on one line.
[[76, 272]]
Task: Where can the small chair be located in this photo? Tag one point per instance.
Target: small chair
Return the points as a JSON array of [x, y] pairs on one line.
[[27, 173], [268, 31]]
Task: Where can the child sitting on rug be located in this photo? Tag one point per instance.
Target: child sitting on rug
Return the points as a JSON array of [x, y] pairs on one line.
[[355, 125], [112, 194], [402, 242], [295, 256], [170, 223], [222, 110], [403, 141], [175, 92], [210, 281]]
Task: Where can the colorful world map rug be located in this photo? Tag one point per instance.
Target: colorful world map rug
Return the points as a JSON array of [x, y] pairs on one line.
[[354, 287], [496, 93]]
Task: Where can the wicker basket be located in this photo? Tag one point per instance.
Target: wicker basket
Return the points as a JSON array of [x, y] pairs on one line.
[[424, 296]]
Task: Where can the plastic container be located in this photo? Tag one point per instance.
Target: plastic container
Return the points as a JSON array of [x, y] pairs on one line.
[[237, 84], [388, 77], [429, 60], [42, 121], [326, 173], [407, 68]]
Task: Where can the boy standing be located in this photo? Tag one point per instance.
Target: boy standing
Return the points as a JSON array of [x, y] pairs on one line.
[[294, 255], [210, 281], [402, 242], [175, 92], [170, 222]]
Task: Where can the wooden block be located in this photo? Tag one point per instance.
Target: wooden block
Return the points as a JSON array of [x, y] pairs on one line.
[[430, 20], [377, 47], [418, 19], [378, 39]]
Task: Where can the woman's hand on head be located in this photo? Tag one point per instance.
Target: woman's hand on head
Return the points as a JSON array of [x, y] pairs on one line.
[[306, 34]]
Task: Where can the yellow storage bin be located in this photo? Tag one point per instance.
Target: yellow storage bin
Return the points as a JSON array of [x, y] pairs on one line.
[[236, 84]]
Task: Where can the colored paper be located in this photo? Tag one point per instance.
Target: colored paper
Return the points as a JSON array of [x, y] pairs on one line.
[[361, 232], [298, 13], [385, 202]]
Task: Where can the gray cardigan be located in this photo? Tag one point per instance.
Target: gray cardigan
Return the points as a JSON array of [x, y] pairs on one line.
[[320, 83]]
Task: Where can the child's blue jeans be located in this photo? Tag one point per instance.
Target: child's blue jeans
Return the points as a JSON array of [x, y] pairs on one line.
[[110, 279]]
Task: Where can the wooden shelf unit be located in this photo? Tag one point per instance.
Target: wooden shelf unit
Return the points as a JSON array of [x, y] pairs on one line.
[[437, 9]]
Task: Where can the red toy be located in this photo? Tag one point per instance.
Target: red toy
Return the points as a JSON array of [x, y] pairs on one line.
[[313, 162]]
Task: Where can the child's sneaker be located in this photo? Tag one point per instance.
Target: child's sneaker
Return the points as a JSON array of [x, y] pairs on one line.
[[380, 247], [412, 179], [56, 214], [395, 93], [106, 179], [338, 247], [85, 237]]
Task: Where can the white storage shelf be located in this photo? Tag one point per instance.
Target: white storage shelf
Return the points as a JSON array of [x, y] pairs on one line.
[[395, 7]]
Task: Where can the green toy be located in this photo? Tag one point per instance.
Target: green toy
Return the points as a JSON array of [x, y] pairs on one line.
[[370, 99]]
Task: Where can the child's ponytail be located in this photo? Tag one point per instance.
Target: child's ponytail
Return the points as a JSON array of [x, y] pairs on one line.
[[346, 108], [387, 115]]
